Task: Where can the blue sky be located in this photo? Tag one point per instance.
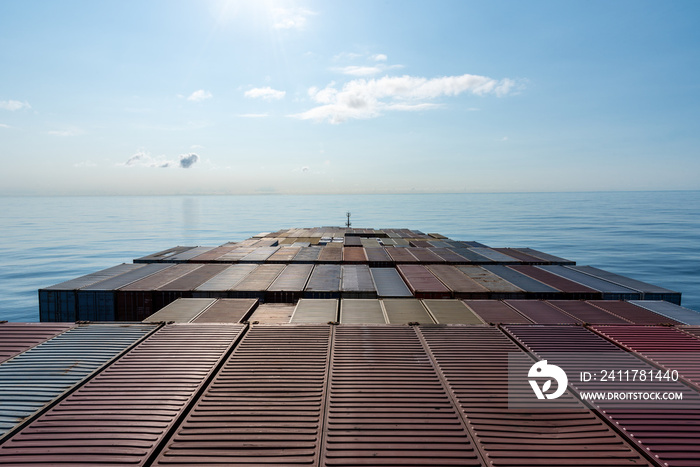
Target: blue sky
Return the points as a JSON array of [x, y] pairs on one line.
[[213, 96]]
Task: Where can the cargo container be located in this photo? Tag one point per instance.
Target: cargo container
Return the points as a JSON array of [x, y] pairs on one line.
[[472, 256], [570, 289], [136, 301], [272, 313], [438, 244], [546, 257], [324, 282], [422, 283], [648, 291], [331, 254], [60, 302], [307, 254], [98, 302], [186, 255], [498, 287], [315, 311], [184, 286], [228, 310], [631, 312], [495, 312], [419, 243], [236, 254], [405, 311], [259, 254], [284, 254], [586, 313], [354, 255], [128, 409], [532, 288], [34, 379], [426, 255], [268, 416], [389, 283], [255, 284], [451, 312], [609, 290], [473, 361], [401, 255], [289, 285], [664, 308], [379, 258], [163, 255], [519, 255], [495, 256], [213, 254], [219, 285], [361, 311], [356, 281], [461, 285], [541, 312], [449, 255], [351, 241], [182, 310]]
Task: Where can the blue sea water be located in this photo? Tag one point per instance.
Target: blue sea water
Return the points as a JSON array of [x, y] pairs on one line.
[[650, 236]]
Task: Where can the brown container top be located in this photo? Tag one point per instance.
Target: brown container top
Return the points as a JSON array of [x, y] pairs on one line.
[[285, 253], [587, 313], [227, 310], [631, 312], [494, 311], [455, 279], [488, 280], [161, 278], [419, 279], [401, 255], [195, 278], [213, 254], [553, 280], [260, 279], [524, 257], [378, 255], [474, 362], [354, 255], [121, 415], [388, 406], [405, 310], [426, 255], [541, 312], [263, 407], [272, 313], [331, 254], [451, 312]]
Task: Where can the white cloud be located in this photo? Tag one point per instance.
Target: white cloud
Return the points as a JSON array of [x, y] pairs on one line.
[[362, 98], [144, 159], [14, 105], [3, 125], [291, 18], [266, 93], [355, 70], [188, 160], [379, 58], [199, 96]]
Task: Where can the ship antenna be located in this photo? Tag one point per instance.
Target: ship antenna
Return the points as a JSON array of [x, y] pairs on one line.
[[348, 224]]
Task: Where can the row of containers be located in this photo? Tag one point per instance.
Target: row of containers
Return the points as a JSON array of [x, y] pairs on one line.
[[426, 311], [342, 395], [132, 292], [356, 250]]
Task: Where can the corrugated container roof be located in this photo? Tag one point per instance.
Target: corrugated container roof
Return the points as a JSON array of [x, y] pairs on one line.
[[356, 278], [227, 278], [473, 361], [163, 255], [545, 256], [421, 281], [236, 254], [669, 432], [521, 281], [389, 283], [455, 279], [261, 278], [472, 256], [426, 255], [419, 243], [268, 416], [195, 278], [679, 313], [361, 311], [308, 254], [388, 406], [494, 255], [331, 253], [182, 310], [667, 347], [214, 253], [161, 278], [513, 253], [117, 282], [587, 313], [35, 378], [438, 244], [631, 312], [590, 281], [370, 243], [16, 338], [405, 311], [494, 311], [352, 241], [541, 312], [488, 280], [89, 279], [402, 255], [324, 278], [449, 255], [260, 253], [292, 278], [378, 255], [451, 312], [553, 280], [272, 313], [121, 416], [285, 253], [315, 311], [191, 253], [227, 310], [354, 255], [622, 280]]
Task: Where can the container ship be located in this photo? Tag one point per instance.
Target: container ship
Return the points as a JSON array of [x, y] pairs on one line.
[[337, 346]]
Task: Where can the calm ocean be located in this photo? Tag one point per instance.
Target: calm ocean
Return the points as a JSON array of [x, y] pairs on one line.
[[650, 236]]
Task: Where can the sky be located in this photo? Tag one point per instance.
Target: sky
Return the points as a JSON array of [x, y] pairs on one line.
[[394, 96]]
